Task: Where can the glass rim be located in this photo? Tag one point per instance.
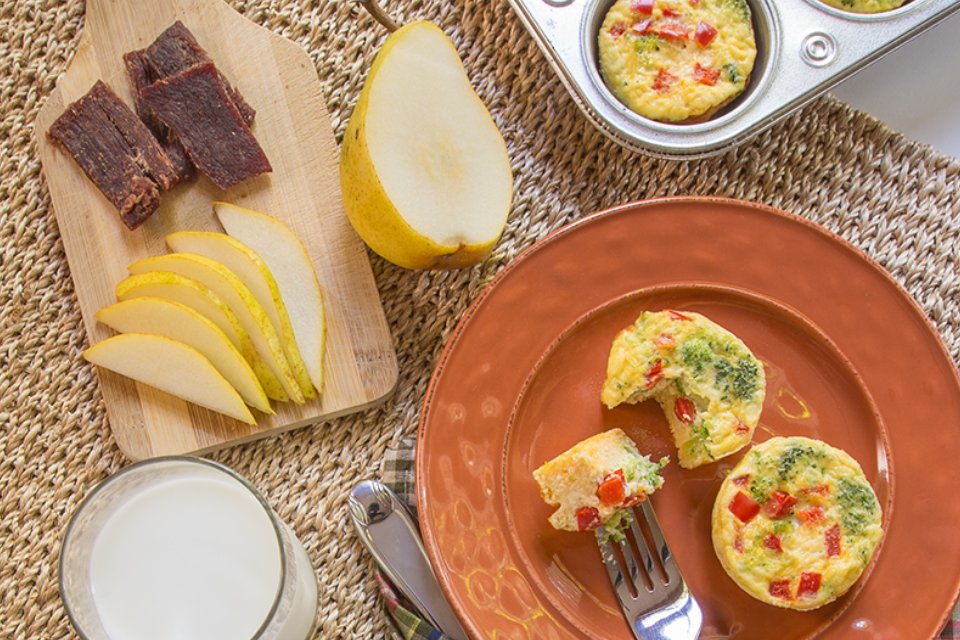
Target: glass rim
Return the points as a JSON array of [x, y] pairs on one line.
[[190, 460]]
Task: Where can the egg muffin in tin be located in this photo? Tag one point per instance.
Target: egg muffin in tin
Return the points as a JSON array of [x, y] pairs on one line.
[[864, 6], [795, 523], [595, 480], [677, 60], [709, 384]]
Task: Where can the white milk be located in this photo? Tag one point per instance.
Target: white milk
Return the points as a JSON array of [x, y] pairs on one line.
[[195, 556]]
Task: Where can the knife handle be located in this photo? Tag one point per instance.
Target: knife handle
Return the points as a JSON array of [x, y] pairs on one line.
[[388, 531]]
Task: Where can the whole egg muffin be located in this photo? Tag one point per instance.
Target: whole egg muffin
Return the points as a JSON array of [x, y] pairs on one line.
[[595, 480], [795, 523], [864, 6], [709, 384], [677, 60]]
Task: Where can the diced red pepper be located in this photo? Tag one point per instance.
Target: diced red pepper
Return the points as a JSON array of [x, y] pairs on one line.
[[742, 480], [781, 589], [612, 489], [655, 373], [738, 541], [618, 29], [588, 519], [676, 315], [642, 6], [664, 80], [741, 428], [673, 30], [705, 33], [744, 507], [642, 27], [664, 341], [809, 584], [671, 12], [634, 500], [706, 76], [811, 515], [779, 504], [832, 538], [772, 541], [684, 409], [820, 490]]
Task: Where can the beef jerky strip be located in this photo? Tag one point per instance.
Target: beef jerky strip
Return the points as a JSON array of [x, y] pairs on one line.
[[146, 152], [141, 75], [194, 103], [116, 151], [176, 50]]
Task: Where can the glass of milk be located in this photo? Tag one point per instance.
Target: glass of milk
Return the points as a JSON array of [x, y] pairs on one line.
[[181, 547]]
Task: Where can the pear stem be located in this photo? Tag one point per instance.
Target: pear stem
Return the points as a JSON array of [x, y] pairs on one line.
[[375, 10]]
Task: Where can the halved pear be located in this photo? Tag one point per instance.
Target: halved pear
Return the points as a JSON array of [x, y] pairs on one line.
[[424, 171], [295, 275], [238, 298], [170, 366], [253, 272], [189, 292], [181, 323]]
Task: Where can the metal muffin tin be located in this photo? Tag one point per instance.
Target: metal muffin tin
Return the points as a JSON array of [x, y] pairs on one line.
[[804, 48]]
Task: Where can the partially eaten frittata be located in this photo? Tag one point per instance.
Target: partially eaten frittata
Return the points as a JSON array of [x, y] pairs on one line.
[[596, 479], [709, 384]]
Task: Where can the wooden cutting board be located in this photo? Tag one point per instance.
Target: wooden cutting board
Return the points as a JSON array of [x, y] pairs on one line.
[[280, 81]]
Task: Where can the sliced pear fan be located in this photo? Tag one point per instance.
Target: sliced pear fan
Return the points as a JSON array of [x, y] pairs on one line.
[[253, 272], [239, 299], [189, 292]]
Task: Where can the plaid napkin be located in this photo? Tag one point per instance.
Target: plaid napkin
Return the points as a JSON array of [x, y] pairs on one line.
[[398, 473]]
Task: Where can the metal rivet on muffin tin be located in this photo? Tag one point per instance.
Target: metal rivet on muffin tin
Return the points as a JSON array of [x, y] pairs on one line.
[[818, 49]]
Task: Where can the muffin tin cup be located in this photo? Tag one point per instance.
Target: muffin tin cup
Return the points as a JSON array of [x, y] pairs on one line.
[[804, 48]]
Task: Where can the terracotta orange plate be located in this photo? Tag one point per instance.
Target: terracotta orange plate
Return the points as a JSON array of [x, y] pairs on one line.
[[849, 357]]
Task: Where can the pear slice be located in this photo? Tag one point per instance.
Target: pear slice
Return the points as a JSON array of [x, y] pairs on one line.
[[170, 366], [238, 298], [296, 278], [254, 273], [189, 292], [181, 323], [424, 171]]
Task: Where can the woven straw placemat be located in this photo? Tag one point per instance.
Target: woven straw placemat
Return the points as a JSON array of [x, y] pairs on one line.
[[895, 199]]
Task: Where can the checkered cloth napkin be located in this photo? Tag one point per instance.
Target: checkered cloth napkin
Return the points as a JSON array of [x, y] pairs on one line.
[[398, 474]]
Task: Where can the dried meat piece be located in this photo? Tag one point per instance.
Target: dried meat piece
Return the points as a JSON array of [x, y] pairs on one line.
[[141, 75], [196, 106], [148, 155], [176, 50], [116, 151]]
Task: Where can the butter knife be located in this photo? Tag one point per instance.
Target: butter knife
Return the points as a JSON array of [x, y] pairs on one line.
[[388, 531]]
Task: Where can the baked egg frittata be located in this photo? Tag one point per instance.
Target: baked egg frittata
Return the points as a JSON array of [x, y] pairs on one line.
[[864, 6], [795, 523], [595, 479], [709, 384], [677, 60]]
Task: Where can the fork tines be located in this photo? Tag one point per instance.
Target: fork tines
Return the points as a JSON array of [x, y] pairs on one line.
[[651, 592]]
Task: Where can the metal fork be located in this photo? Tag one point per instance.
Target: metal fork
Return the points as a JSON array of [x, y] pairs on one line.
[[664, 610]]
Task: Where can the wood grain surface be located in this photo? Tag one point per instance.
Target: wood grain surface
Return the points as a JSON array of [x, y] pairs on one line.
[[280, 81]]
